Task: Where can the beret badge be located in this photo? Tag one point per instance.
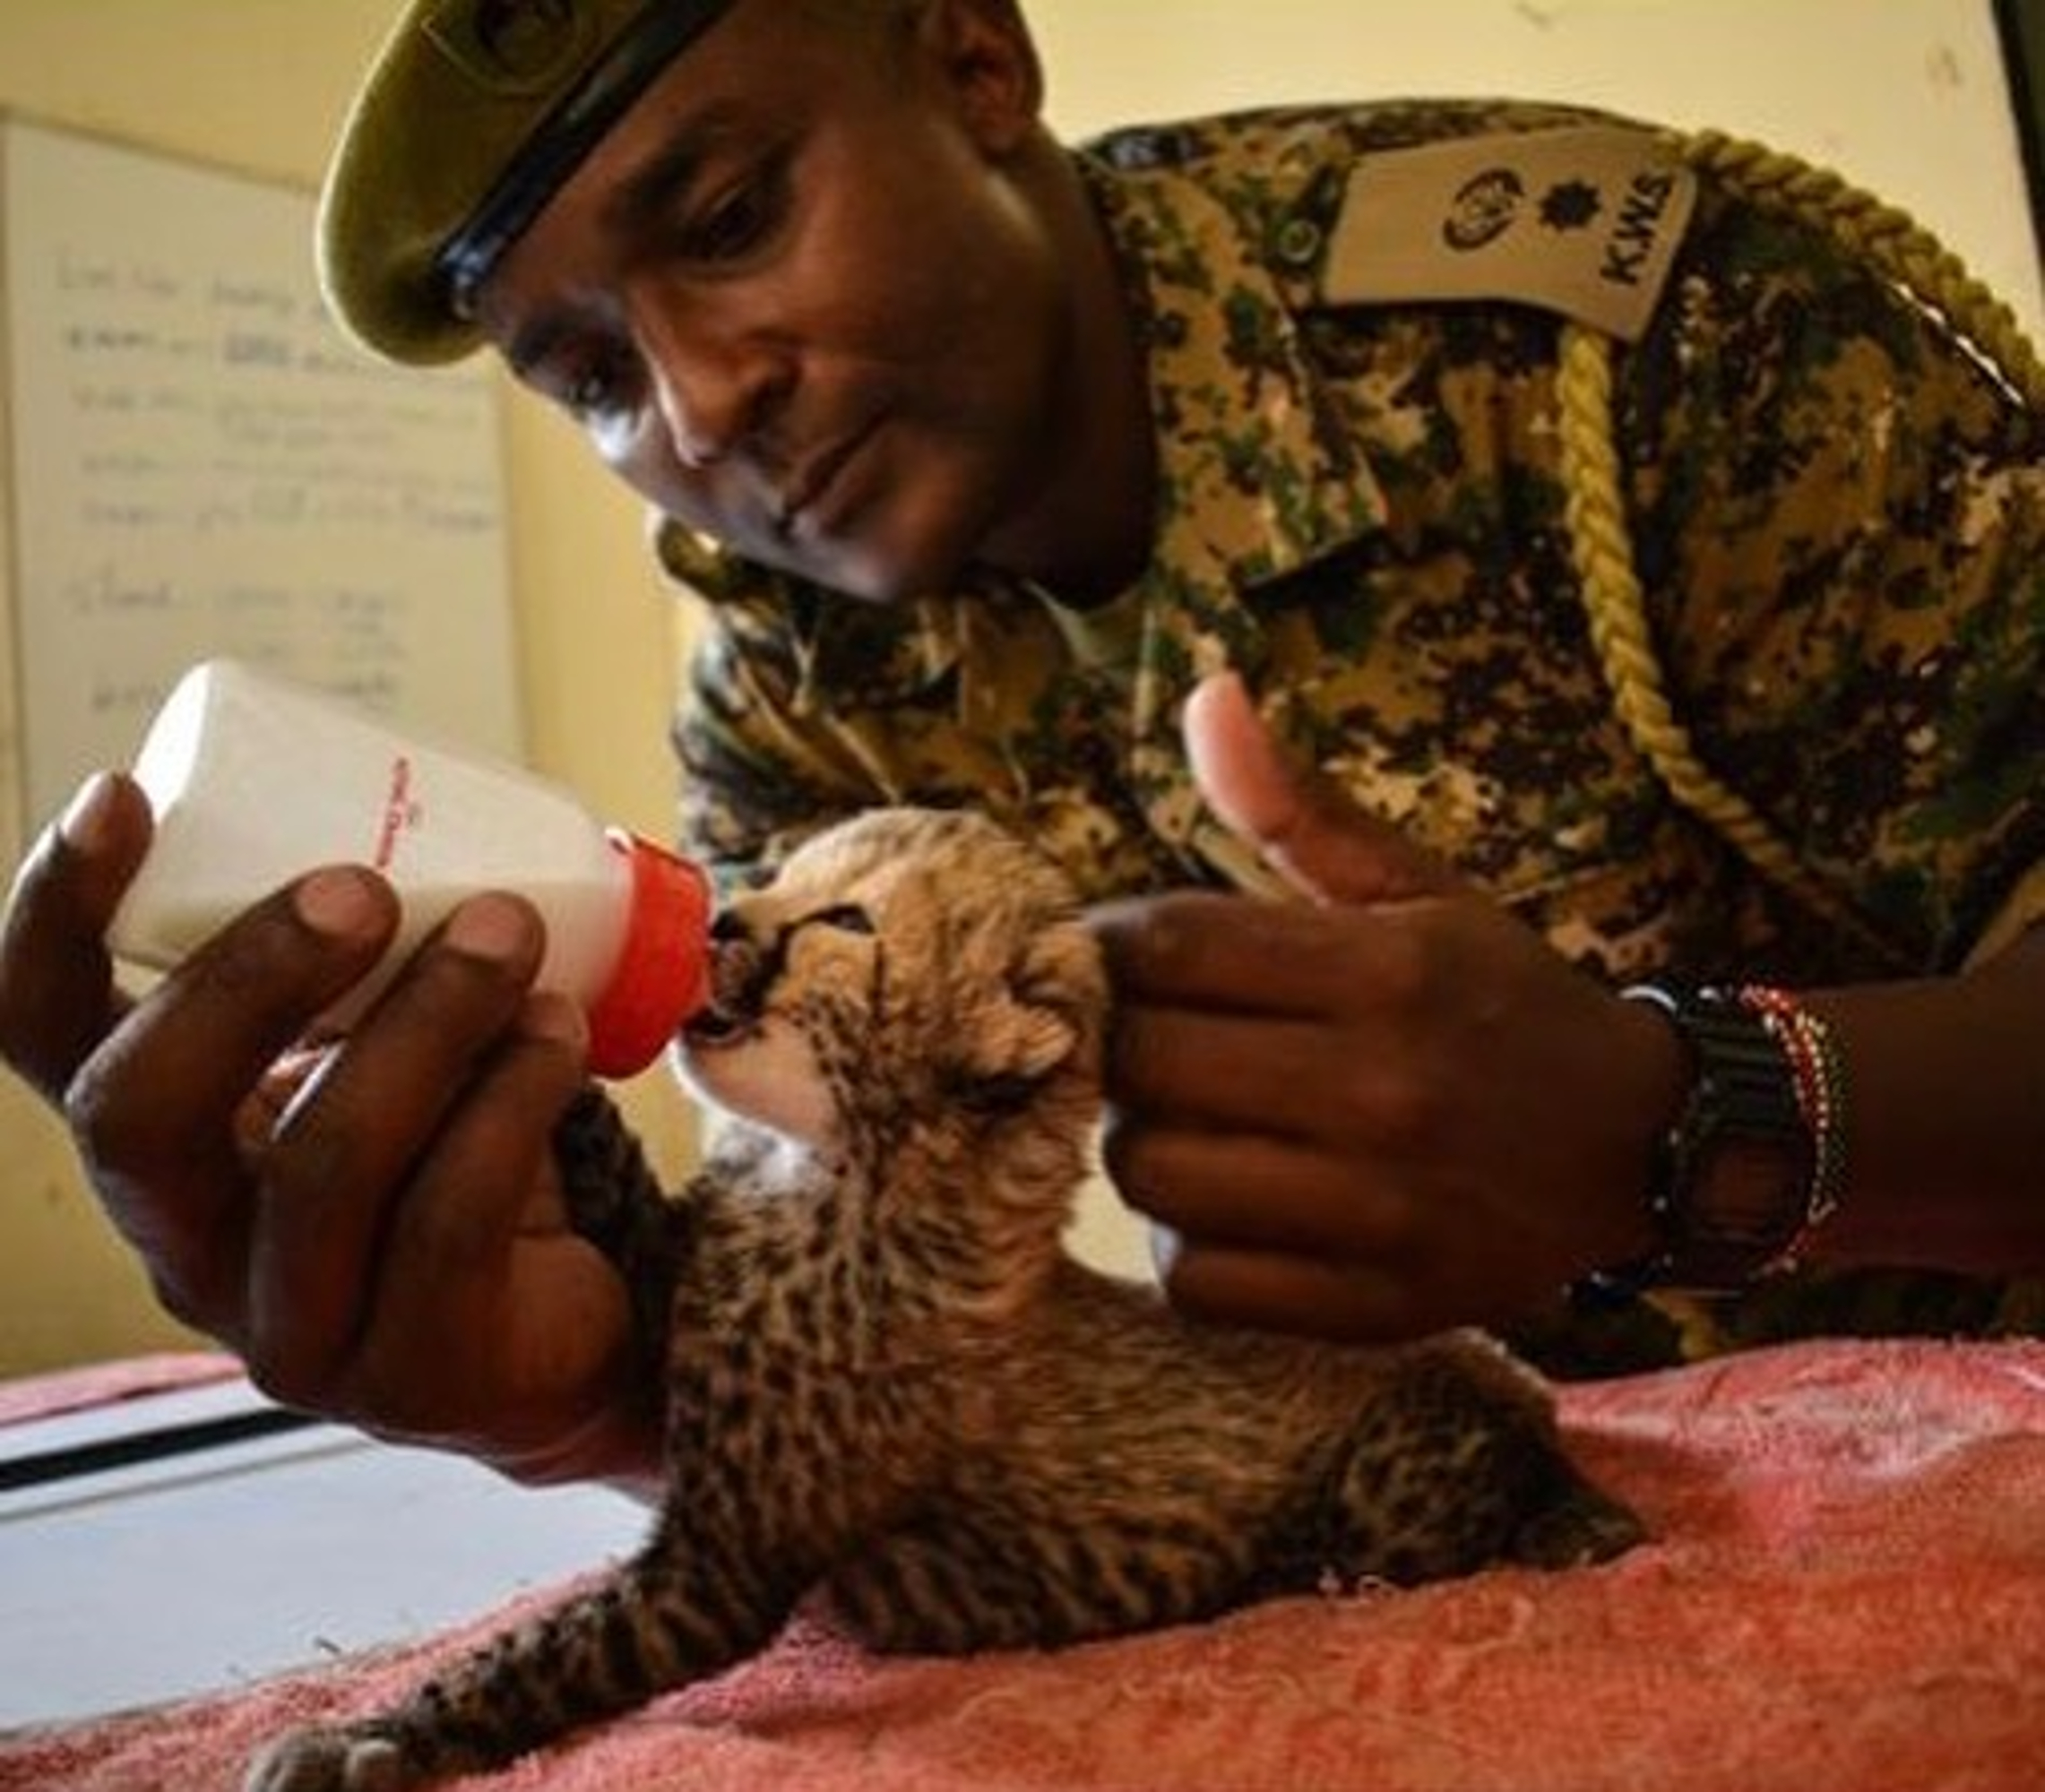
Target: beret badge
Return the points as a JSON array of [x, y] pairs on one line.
[[512, 46]]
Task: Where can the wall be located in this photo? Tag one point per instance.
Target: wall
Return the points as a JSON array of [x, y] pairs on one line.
[[1906, 96]]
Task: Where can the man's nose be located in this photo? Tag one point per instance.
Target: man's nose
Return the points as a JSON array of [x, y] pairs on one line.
[[715, 389]]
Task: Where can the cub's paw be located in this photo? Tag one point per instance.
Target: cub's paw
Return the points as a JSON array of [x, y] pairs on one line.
[[334, 1760], [1583, 1527]]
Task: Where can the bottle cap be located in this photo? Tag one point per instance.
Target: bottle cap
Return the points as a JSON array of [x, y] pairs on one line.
[[662, 973]]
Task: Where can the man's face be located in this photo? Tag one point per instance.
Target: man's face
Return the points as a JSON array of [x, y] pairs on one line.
[[797, 296]]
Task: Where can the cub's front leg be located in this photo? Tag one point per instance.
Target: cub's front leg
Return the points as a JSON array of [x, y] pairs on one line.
[[657, 1625], [355, 1759], [616, 1202]]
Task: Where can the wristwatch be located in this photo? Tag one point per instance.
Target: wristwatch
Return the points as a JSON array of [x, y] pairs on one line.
[[1732, 1186]]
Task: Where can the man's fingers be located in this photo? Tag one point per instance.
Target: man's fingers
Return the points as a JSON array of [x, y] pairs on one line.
[[349, 1155], [55, 970], [1252, 1190], [202, 1040], [1197, 949], [449, 1259], [159, 1108], [1272, 1291], [1310, 832]]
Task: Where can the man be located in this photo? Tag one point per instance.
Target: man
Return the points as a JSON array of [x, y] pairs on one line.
[[1105, 491]]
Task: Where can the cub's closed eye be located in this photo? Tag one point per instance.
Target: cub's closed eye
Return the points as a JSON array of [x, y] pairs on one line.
[[848, 918]]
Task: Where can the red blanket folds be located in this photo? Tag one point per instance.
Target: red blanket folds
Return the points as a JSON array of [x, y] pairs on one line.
[[1846, 1594]]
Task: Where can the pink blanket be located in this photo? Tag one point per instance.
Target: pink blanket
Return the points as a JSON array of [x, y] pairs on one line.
[[1846, 1594], [106, 1383]]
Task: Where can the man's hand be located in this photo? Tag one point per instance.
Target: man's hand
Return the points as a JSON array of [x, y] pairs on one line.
[[375, 1226], [1383, 1108]]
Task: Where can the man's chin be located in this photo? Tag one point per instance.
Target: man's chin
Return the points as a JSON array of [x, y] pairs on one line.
[[885, 580], [902, 555]]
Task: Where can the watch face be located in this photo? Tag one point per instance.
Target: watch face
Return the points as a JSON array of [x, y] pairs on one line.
[[1737, 1164]]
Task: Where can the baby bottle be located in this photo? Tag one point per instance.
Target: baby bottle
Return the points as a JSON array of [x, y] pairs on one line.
[[255, 779]]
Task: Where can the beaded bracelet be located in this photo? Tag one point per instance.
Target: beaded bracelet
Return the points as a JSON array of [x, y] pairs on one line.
[[1819, 1071]]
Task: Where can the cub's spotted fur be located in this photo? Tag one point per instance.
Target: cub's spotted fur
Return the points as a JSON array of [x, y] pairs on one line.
[[884, 1379]]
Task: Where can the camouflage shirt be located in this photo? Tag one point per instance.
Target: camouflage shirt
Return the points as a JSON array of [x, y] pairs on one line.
[[1837, 513]]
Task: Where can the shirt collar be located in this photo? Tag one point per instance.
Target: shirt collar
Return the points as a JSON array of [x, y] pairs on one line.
[[1254, 467], [1255, 480]]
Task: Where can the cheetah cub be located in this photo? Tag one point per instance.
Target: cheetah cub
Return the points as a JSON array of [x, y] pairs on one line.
[[887, 1382]]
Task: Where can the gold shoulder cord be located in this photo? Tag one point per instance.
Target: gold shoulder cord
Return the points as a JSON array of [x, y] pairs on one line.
[[1602, 544]]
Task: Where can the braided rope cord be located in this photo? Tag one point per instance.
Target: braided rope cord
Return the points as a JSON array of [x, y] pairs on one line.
[[1600, 539]]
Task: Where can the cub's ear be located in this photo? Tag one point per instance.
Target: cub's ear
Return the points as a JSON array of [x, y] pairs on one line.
[[1010, 1041], [1018, 1035]]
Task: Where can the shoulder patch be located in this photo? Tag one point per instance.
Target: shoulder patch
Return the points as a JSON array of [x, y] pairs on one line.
[[1584, 220]]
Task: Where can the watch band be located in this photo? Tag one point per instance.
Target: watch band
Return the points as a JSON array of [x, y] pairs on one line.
[[1736, 1183]]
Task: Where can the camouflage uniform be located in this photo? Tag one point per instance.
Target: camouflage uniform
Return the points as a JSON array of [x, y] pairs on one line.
[[1838, 515]]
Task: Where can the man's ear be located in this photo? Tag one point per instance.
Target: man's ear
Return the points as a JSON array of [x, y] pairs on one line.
[[984, 50]]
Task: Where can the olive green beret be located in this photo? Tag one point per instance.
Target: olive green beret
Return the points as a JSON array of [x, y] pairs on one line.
[[474, 114]]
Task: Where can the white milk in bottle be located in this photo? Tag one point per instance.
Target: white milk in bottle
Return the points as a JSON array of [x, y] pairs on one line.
[[254, 781]]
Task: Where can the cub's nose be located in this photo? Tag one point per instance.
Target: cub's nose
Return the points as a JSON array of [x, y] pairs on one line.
[[740, 971], [727, 925]]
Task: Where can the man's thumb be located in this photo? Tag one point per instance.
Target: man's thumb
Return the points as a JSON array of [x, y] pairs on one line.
[[1298, 823]]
